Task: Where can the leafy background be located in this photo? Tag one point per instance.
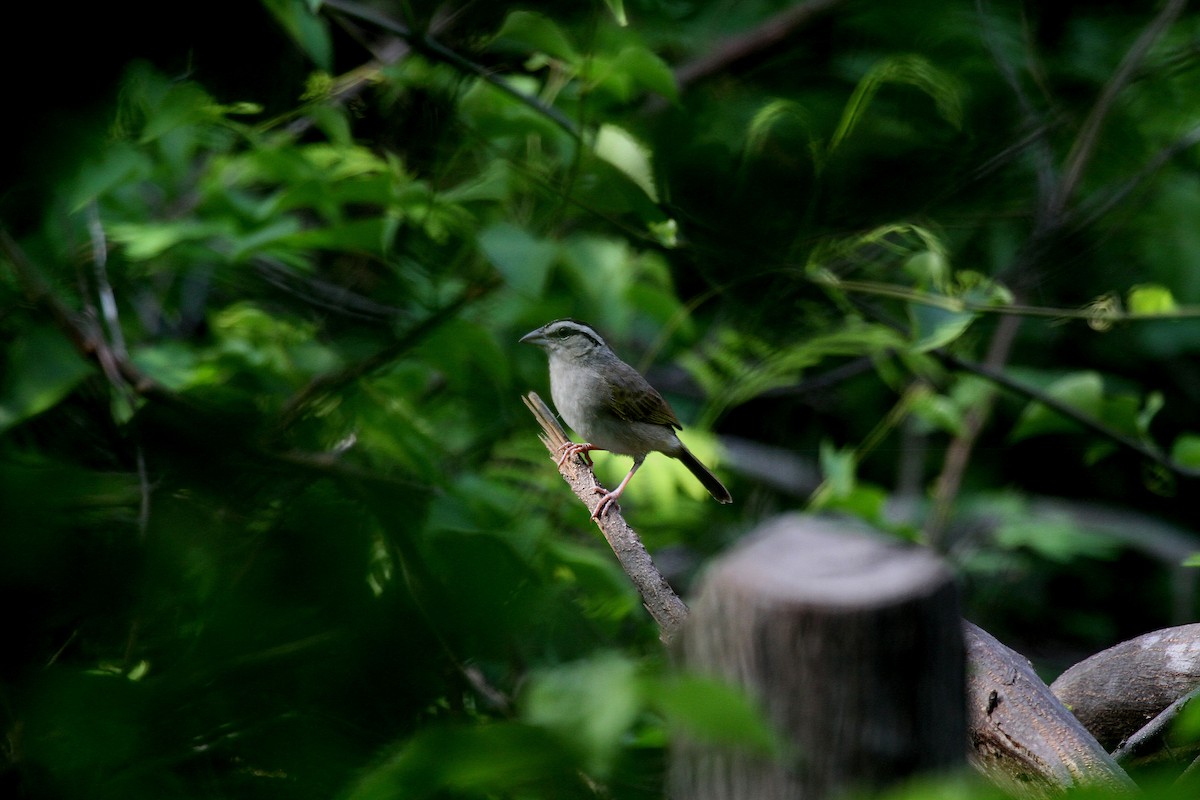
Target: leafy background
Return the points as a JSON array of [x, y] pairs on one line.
[[273, 520]]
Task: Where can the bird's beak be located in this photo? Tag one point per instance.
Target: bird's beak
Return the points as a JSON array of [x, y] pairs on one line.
[[534, 337]]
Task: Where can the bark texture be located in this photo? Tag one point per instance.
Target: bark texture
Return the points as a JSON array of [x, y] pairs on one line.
[[1021, 736], [1117, 691]]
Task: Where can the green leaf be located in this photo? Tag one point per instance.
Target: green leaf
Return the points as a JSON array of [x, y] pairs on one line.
[[528, 31], [42, 368], [606, 592], [617, 7], [591, 704], [308, 30], [929, 269], [1186, 450], [504, 759], [839, 468], [619, 148], [145, 240], [933, 326], [182, 105], [175, 365], [1154, 403], [521, 258], [776, 114], [647, 70], [937, 411], [913, 70], [1191, 561], [1081, 390], [119, 165], [714, 712], [1056, 539], [1150, 298]]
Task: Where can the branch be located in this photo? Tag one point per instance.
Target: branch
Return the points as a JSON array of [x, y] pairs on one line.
[[958, 454], [1117, 691], [1152, 735], [735, 48], [657, 595], [1085, 143], [430, 47], [1021, 736], [1180, 145], [999, 378], [322, 385], [1037, 136], [83, 333]]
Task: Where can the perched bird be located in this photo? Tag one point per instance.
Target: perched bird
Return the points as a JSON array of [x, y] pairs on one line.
[[611, 405]]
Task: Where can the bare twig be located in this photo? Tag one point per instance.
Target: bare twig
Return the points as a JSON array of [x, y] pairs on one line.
[[1150, 736], [323, 384], [1035, 125], [1086, 216], [1089, 134], [428, 46], [82, 332], [108, 299], [958, 454], [999, 378], [772, 31], [1049, 226], [667, 609]]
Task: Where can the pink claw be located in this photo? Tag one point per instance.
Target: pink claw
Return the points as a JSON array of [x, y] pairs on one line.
[[572, 449], [609, 500]]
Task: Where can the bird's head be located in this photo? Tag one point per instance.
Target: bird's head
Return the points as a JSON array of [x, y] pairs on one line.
[[567, 337]]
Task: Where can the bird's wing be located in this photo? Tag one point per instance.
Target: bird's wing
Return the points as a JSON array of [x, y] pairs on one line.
[[633, 399]]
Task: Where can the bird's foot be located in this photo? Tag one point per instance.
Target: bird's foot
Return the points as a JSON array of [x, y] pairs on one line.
[[609, 500], [569, 449]]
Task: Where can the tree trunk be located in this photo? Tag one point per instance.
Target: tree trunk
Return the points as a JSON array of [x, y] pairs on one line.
[[853, 645], [1022, 737], [1117, 691]]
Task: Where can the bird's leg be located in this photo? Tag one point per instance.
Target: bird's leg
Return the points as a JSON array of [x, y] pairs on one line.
[[569, 449], [610, 498]]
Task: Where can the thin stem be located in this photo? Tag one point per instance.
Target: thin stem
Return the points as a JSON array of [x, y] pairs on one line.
[[429, 46], [1089, 134]]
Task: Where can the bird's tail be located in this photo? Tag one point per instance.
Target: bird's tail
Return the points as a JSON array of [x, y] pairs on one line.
[[714, 486]]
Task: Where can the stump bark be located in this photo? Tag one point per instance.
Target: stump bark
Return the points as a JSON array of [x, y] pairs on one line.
[[853, 645]]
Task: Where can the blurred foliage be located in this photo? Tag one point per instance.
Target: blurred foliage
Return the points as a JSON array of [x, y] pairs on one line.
[[273, 521]]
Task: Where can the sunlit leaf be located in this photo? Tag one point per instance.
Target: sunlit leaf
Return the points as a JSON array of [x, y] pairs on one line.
[[1151, 299], [143, 241], [617, 7], [619, 148]]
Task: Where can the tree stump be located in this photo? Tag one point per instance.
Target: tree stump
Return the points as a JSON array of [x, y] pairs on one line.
[[853, 645]]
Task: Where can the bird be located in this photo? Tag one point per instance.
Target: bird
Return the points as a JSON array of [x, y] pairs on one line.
[[611, 406]]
